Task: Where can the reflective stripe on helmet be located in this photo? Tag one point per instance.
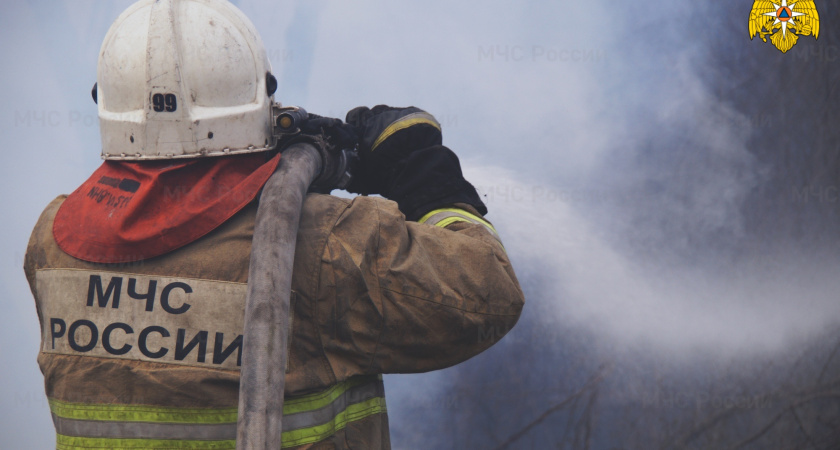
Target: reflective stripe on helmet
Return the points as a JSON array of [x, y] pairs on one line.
[[403, 123], [307, 419], [447, 216]]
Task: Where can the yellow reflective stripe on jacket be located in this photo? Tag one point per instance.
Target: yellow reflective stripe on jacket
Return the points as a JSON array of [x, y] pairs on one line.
[[318, 433], [403, 123], [76, 443], [321, 399], [142, 413], [447, 216], [306, 420]]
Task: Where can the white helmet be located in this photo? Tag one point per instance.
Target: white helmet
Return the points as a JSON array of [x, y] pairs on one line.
[[183, 79]]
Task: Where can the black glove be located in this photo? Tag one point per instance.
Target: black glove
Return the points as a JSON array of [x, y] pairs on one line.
[[337, 133], [401, 158], [386, 136], [336, 141]]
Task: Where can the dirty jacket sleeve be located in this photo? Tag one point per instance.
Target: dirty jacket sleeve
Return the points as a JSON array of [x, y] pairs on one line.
[[396, 296]]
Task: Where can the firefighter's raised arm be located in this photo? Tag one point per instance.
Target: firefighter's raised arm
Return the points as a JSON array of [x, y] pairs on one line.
[[418, 283]]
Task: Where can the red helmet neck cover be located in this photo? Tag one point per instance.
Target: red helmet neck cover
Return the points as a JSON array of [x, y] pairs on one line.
[[131, 211]]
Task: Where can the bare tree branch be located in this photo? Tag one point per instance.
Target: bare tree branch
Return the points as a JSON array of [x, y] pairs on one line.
[[828, 361], [588, 424], [802, 427], [777, 417], [587, 386], [761, 432]]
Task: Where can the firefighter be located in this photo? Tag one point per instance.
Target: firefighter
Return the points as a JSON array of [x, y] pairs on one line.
[[139, 276]]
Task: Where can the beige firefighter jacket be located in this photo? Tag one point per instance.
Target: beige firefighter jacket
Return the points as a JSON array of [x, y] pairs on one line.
[[146, 354]]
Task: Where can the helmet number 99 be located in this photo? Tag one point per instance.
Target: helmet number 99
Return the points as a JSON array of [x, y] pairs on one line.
[[161, 102]]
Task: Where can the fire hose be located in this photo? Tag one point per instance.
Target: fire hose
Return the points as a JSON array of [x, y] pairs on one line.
[[267, 333]]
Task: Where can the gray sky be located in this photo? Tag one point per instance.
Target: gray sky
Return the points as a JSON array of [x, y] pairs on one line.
[[536, 98]]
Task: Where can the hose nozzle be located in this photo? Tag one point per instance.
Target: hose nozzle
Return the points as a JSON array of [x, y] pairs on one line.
[[289, 120]]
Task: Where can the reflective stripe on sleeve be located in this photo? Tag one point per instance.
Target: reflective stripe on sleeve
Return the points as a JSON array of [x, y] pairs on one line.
[[447, 216], [307, 419], [403, 123]]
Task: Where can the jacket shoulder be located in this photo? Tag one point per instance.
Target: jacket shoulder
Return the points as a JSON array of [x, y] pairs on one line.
[[39, 241], [329, 212]]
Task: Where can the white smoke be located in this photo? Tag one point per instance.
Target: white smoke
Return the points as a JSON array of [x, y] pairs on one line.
[[750, 306]]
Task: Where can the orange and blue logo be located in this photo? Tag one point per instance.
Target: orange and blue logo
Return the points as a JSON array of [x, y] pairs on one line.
[[784, 22]]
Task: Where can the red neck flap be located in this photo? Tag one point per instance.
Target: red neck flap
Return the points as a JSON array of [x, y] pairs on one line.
[[130, 211]]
